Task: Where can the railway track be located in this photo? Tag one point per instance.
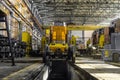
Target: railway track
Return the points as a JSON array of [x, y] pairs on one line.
[[62, 70]]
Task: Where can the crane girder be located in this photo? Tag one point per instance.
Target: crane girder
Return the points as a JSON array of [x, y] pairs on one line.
[[80, 27], [84, 27]]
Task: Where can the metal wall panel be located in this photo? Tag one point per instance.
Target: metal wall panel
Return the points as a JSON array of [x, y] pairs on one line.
[[113, 40], [117, 41]]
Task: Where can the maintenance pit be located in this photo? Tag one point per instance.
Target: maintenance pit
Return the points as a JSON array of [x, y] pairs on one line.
[[84, 69], [63, 70]]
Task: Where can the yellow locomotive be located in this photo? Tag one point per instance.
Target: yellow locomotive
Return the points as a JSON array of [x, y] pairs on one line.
[[58, 45]]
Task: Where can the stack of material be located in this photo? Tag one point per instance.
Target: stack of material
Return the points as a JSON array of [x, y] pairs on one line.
[[115, 38], [112, 51], [97, 37], [94, 38], [106, 33], [117, 25]]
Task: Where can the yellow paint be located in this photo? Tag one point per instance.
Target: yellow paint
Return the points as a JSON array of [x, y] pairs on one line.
[[73, 40], [88, 42], [63, 36], [55, 46], [79, 27], [58, 33], [43, 43], [54, 35], [106, 53], [101, 41], [84, 27], [47, 32], [26, 37]]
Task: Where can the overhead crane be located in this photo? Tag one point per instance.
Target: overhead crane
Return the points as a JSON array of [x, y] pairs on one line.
[[79, 27], [83, 27]]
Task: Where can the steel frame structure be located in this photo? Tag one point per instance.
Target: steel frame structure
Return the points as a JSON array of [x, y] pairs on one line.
[[76, 11]]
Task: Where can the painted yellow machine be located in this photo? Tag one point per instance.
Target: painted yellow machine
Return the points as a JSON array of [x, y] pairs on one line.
[[27, 39], [58, 43], [58, 46]]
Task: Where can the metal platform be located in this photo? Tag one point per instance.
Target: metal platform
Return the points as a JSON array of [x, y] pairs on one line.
[[99, 68]]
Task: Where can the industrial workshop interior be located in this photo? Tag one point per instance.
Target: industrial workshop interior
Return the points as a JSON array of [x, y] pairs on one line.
[[59, 39]]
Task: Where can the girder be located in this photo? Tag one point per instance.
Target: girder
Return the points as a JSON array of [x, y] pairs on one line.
[[77, 11]]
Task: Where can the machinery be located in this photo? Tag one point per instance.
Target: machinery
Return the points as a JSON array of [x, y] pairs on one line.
[[111, 50], [97, 42], [98, 38], [58, 46], [27, 39], [106, 41]]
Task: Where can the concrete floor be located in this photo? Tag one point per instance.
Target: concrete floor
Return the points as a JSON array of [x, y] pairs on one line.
[[99, 68], [25, 73], [24, 67], [26, 60], [6, 68]]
